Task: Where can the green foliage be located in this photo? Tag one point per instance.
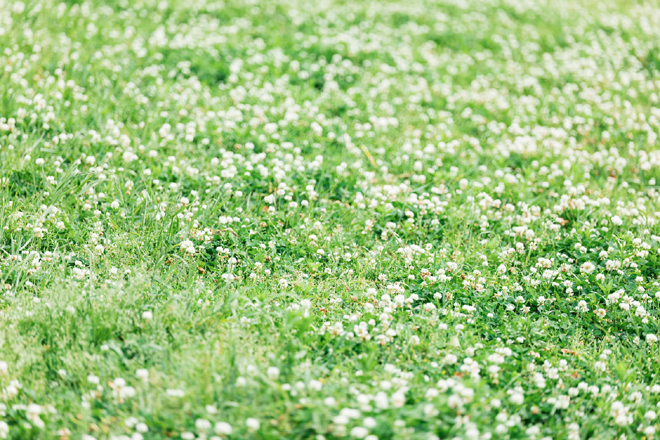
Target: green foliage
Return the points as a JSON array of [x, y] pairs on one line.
[[322, 220]]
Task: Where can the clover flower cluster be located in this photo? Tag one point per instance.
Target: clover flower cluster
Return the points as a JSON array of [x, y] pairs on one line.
[[289, 219]]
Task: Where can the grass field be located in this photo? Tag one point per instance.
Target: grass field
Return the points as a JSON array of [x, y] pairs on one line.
[[328, 219]]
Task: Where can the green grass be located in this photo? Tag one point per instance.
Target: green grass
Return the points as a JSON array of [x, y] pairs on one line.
[[321, 220]]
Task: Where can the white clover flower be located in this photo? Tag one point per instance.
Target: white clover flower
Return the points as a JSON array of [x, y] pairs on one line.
[[188, 247], [141, 428], [273, 373], [142, 373], [252, 424], [587, 267], [517, 398], [202, 425], [223, 428], [359, 432]]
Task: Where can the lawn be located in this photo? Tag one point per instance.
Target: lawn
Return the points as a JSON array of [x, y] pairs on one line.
[[331, 219]]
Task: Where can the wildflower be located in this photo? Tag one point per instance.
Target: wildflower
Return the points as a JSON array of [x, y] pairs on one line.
[[273, 373], [620, 414], [202, 425], [143, 374], [359, 432], [223, 428], [188, 247], [517, 398], [252, 424], [587, 267]]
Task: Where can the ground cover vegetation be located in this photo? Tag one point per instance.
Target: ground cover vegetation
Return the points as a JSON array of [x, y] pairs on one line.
[[287, 219]]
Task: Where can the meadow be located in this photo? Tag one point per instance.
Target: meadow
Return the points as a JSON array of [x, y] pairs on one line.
[[330, 219]]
